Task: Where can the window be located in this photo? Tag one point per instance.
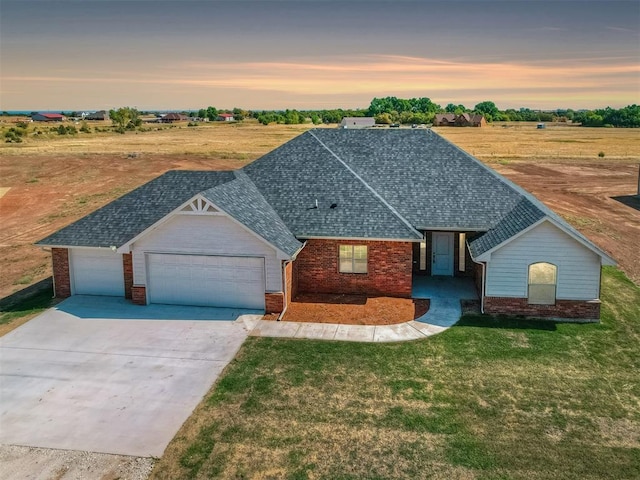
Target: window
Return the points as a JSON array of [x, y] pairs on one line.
[[542, 283], [353, 259]]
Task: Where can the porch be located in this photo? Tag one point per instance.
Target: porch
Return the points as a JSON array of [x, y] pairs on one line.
[[445, 295]]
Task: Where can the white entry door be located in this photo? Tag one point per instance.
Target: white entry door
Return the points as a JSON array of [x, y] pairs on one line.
[[211, 281], [442, 253]]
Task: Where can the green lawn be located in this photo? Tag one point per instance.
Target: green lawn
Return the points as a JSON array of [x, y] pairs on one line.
[[486, 399]]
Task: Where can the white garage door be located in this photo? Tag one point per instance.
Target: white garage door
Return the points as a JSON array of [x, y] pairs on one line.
[[211, 281], [97, 272]]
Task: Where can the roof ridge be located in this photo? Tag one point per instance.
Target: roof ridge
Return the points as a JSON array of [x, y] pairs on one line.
[[367, 186]]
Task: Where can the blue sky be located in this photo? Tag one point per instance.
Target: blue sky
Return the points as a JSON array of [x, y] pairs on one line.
[[66, 54]]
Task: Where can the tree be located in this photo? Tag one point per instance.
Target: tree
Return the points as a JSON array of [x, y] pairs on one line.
[[211, 113], [488, 109], [125, 118]]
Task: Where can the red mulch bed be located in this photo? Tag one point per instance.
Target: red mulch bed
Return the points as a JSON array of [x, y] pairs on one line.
[[353, 309]]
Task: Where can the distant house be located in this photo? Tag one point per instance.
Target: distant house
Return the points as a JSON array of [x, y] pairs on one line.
[[99, 115], [225, 117], [47, 117], [462, 120], [357, 122], [173, 117]]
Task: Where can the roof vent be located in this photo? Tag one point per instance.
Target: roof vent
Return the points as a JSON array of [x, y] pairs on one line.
[[333, 205]]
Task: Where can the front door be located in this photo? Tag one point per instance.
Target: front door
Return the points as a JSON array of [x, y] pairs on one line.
[[442, 254]]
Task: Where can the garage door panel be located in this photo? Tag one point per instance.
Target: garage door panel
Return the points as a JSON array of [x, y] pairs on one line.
[[97, 272], [216, 281]]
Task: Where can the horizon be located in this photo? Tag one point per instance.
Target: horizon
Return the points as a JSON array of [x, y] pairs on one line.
[[317, 55]]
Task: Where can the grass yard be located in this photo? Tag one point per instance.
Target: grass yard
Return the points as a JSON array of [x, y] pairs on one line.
[[486, 399]]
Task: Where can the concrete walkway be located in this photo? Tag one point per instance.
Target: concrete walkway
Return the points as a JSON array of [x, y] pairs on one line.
[[444, 294]]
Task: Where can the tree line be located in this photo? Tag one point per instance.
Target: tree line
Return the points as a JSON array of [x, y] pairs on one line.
[[390, 110]]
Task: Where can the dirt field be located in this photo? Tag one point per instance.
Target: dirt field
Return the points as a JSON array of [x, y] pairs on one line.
[[50, 182]]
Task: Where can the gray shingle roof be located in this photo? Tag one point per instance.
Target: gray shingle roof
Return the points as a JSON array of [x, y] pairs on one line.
[[340, 183], [522, 216], [294, 176], [241, 199], [432, 183], [121, 220]]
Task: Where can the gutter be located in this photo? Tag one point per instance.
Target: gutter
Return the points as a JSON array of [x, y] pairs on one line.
[[482, 292], [284, 281]]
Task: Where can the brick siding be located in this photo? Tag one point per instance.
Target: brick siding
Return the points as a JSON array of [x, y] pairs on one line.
[[274, 302], [575, 309], [290, 286], [127, 266], [139, 294], [61, 274], [389, 269]]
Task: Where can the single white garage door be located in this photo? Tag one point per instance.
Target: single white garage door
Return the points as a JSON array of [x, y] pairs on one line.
[[211, 281], [97, 272]]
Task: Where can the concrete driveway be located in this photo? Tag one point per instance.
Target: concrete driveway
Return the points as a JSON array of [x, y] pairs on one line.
[[99, 374]]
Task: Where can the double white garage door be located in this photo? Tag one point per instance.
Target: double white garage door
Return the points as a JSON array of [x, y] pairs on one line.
[[212, 281], [236, 282]]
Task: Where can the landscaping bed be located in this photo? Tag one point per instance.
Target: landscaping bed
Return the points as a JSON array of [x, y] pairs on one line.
[[353, 309]]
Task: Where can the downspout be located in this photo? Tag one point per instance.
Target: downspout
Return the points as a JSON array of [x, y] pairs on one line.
[[482, 290], [284, 284], [284, 279]]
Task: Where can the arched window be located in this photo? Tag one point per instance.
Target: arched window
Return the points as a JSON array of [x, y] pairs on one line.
[[542, 283]]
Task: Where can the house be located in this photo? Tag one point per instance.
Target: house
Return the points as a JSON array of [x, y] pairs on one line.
[[332, 211], [173, 117], [47, 117], [461, 120], [99, 115], [225, 117], [357, 122]]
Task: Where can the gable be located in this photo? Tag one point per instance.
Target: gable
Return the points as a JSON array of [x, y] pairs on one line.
[[577, 265]]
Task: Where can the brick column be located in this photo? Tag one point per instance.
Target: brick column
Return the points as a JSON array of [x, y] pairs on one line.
[[274, 302], [139, 294], [61, 274], [127, 266]]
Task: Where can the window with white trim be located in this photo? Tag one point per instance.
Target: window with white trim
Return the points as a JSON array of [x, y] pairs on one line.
[[353, 259], [542, 283]]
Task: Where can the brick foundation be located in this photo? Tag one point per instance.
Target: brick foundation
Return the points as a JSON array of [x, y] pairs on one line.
[[61, 274], [576, 309], [274, 302], [127, 266], [139, 294], [389, 269]]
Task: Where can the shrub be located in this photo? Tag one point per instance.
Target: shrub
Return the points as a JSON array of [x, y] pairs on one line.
[[601, 154], [85, 128]]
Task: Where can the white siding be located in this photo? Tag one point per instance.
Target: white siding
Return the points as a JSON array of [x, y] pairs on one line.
[[578, 267], [205, 235]]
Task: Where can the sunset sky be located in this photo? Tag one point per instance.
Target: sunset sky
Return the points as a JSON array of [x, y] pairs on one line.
[[99, 54]]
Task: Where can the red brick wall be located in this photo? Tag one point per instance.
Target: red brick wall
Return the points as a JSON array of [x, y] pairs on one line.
[[61, 274], [389, 269], [578, 309], [274, 302], [127, 265], [290, 286], [139, 294]]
